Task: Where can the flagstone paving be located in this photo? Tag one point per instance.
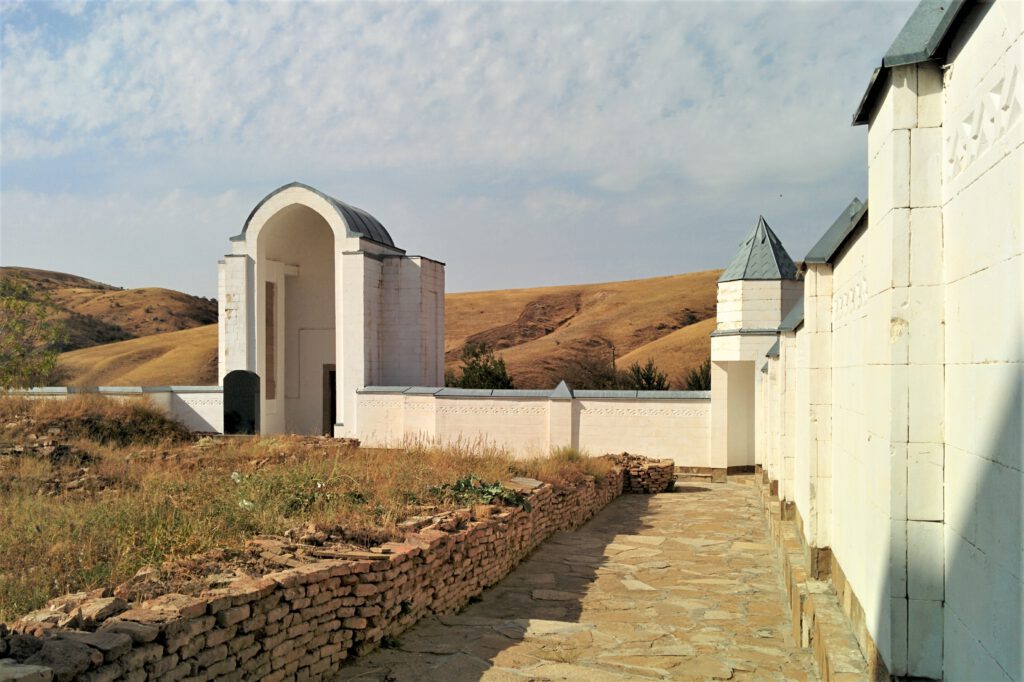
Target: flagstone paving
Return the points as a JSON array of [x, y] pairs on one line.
[[677, 586]]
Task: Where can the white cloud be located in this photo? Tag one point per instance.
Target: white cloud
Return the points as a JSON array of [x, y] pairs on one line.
[[589, 88], [618, 111]]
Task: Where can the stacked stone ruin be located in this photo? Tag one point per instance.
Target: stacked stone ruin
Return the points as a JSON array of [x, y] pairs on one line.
[[304, 622], [645, 475]]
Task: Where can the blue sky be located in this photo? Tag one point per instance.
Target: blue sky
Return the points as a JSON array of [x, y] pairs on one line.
[[524, 144]]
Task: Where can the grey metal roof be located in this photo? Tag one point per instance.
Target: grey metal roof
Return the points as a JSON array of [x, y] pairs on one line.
[[918, 41], [746, 331], [773, 352], [465, 392], [562, 391], [359, 222], [761, 256], [794, 318], [605, 394], [674, 395], [836, 235]]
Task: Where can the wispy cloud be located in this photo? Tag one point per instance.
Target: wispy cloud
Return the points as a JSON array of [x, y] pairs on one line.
[[574, 112]]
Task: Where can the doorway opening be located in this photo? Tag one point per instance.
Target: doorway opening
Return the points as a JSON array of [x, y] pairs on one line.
[[330, 394]]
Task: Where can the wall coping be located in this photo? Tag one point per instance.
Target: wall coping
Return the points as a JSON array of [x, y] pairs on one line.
[[526, 394], [70, 390]]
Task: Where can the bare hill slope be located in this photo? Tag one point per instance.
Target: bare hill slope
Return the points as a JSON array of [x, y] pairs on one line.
[[181, 358], [538, 332], [97, 313]]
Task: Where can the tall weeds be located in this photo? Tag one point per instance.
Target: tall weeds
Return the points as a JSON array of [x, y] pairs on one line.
[[155, 494]]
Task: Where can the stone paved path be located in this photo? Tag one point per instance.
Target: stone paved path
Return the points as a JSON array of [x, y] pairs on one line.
[[675, 586]]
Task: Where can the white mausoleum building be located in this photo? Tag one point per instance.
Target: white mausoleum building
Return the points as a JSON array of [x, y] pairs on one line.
[[316, 300]]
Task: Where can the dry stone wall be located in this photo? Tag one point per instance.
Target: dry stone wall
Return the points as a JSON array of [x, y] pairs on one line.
[[304, 622]]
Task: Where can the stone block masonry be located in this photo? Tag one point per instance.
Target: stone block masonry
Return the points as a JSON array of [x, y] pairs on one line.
[[305, 622]]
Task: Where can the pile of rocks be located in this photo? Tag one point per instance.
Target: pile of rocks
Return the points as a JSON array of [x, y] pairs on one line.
[[304, 621], [644, 475]]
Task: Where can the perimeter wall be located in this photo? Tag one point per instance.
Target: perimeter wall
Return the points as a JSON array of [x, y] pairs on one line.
[[891, 419], [660, 424]]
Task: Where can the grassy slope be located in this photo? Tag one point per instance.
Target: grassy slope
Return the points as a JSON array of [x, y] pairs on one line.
[[97, 313], [182, 358], [541, 329], [537, 331], [148, 499]]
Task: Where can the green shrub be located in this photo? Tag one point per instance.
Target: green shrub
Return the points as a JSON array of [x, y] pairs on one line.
[[699, 379], [481, 368], [645, 378]]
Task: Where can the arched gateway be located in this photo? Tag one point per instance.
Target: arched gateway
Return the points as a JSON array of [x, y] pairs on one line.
[[317, 300]]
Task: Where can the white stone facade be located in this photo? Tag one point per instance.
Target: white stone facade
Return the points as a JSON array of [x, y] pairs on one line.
[[314, 289], [892, 418], [664, 424]]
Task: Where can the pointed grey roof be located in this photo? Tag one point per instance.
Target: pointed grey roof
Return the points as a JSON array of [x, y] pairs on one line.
[[761, 256], [921, 39]]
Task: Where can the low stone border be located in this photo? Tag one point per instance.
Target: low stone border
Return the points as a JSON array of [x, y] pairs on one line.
[[306, 621], [818, 621]]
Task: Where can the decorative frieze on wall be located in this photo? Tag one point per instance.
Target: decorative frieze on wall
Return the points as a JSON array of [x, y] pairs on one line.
[[642, 412], [469, 409], [850, 299], [988, 120], [204, 402], [382, 404]]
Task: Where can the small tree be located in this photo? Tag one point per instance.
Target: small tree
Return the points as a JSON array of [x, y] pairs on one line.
[[645, 378], [699, 379], [30, 336], [481, 368], [593, 371]]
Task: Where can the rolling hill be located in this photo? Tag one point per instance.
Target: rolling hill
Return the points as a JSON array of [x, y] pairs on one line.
[[539, 332], [95, 313], [181, 358]]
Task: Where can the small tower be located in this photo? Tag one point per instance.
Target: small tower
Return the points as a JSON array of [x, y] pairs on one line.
[[754, 294]]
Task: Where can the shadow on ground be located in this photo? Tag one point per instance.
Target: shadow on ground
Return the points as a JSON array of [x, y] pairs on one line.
[[673, 586]]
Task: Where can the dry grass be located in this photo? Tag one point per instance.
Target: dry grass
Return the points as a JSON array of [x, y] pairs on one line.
[[631, 315], [662, 318], [678, 352], [158, 497], [183, 358], [97, 313]]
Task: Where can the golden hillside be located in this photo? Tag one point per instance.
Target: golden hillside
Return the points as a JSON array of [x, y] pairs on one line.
[[182, 358], [537, 331], [95, 313]]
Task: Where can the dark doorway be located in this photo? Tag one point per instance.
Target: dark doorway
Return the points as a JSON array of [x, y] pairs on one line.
[[330, 399], [241, 402]]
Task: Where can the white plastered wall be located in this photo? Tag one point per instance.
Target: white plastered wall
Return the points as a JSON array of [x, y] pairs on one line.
[[912, 352], [981, 275], [531, 425]]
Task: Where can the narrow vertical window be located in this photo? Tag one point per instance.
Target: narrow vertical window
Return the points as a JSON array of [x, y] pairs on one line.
[[270, 381]]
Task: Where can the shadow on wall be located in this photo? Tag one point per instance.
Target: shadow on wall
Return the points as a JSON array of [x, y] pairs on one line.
[[983, 543]]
